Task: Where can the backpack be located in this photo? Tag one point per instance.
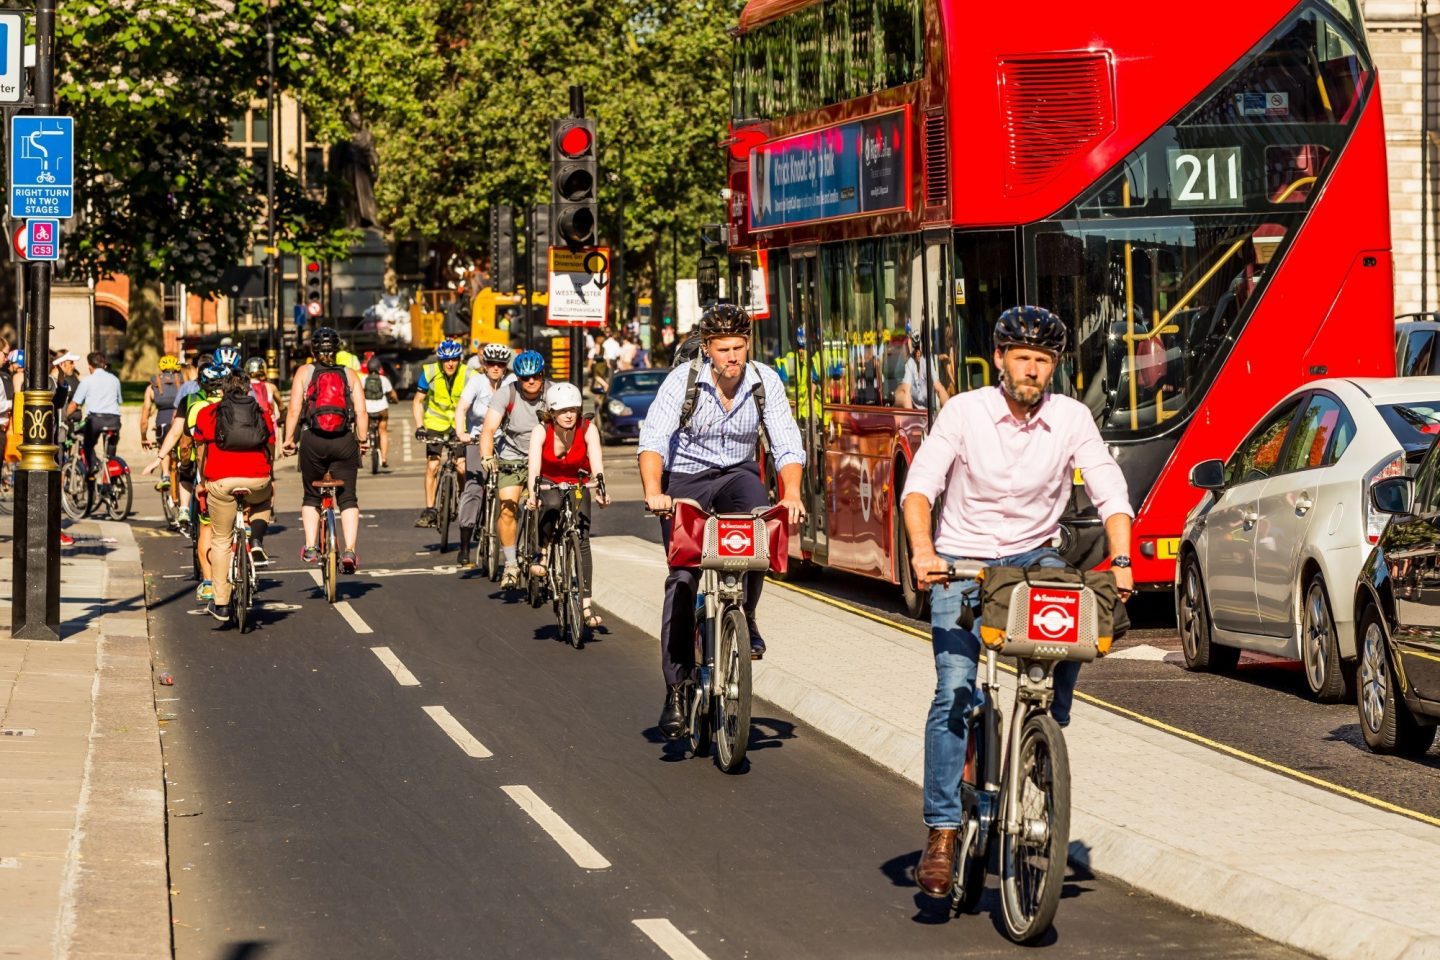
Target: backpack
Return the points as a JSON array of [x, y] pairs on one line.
[[692, 396], [240, 423], [374, 389], [166, 386], [327, 401]]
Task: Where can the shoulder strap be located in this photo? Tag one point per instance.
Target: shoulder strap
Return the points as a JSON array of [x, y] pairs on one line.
[[758, 392], [692, 393]]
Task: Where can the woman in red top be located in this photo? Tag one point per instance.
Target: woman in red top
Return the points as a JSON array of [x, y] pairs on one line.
[[566, 446]]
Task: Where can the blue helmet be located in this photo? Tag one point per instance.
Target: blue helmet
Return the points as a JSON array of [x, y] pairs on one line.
[[212, 376], [228, 359], [17, 357], [449, 350], [529, 364]]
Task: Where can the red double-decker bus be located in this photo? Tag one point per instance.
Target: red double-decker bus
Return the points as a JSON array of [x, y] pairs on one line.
[[1199, 191]]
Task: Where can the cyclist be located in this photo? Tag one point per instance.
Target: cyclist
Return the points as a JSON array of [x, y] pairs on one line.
[[1003, 458], [514, 413], [181, 439], [100, 396], [239, 435], [436, 396], [160, 394], [330, 400], [379, 394], [469, 418], [566, 445], [700, 440], [266, 393], [14, 374]]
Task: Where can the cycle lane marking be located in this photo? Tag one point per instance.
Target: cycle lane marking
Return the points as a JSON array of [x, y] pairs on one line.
[[576, 846], [668, 937], [456, 731], [398, 670], [342, 607]]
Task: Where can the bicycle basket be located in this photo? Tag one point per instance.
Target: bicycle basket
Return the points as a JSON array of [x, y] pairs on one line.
[[1046, 617]]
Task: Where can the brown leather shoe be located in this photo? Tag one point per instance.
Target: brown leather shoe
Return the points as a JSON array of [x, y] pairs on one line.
[[937, 864]]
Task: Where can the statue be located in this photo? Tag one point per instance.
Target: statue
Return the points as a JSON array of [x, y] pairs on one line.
[[353, 165]]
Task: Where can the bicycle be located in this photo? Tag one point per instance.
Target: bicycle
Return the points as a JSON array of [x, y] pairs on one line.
[[725, 547], [169, 488], [487, 541], [79, 492], [447, 491], [564, 580], [243, 580], [329, 539], [1016, 796], [373, 439]]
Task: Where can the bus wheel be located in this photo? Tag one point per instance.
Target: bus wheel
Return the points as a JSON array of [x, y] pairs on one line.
[[917, 601]]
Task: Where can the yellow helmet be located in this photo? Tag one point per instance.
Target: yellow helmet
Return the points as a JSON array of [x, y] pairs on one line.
[[169, 363]]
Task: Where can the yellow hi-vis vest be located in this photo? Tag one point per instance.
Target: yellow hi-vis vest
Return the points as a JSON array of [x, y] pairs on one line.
[[442, 397]]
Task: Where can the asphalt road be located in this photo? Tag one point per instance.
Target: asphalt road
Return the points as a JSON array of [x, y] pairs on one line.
[[320, 808]]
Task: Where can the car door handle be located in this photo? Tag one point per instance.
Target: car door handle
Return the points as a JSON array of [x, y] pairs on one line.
[[1303, 505], [1249, 519]]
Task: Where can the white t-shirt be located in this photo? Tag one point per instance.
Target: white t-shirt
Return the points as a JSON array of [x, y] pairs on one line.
[[383, 404], [475, 399], [611, 350]]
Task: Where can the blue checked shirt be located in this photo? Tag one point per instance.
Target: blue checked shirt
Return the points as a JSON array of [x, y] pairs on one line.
[[715, 438]]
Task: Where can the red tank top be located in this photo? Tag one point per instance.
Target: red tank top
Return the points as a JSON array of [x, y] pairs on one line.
[[566, 467], [262, 396]]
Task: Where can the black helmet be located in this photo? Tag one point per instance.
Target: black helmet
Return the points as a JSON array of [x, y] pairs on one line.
[[688, 350], [375, 366], [1031, 327], [324, 341], [724, 320]]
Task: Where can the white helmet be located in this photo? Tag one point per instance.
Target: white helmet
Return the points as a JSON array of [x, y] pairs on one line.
[[563, 396]]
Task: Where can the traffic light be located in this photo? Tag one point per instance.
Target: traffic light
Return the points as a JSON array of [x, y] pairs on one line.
[[541, 240], [574, 177], [314, 296], [502, 248]]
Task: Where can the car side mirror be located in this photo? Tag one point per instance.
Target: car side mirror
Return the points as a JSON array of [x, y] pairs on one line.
[[1393, 495], [1208, 475]]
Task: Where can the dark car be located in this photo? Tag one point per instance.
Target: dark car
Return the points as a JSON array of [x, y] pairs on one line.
[[1416, 337], [1398, 623], [623, 408]]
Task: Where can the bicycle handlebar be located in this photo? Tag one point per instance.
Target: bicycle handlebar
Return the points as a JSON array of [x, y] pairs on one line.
[[966, 570]]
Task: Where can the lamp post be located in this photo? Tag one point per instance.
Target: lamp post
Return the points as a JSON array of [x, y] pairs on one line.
[[274, 270], [36, 577]]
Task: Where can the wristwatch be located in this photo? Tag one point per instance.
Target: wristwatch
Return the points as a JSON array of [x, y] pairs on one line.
[[1123, 562]]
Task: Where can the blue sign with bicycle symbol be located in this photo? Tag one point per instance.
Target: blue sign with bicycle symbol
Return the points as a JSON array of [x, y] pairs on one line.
[[42, 167]]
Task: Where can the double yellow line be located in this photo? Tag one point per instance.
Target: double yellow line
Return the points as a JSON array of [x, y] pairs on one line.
[[1203, 741]]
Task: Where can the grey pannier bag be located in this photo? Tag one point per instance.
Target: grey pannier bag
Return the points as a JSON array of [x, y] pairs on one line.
[[1050, 612]]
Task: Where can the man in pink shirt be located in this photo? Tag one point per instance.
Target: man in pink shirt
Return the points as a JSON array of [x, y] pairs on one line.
[[1004, 458]]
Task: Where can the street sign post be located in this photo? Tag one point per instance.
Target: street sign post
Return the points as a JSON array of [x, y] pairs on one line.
[[42, 167], [579, 287], [12, 56], [43, 240]]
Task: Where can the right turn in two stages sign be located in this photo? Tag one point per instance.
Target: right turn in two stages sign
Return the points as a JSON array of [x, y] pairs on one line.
[[579, 287]]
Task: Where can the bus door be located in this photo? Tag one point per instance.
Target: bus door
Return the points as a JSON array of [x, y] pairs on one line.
[[809, 399], [939, 363], [986, 284]]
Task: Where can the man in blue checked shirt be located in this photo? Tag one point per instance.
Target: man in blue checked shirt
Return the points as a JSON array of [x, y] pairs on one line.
[[712, 459]]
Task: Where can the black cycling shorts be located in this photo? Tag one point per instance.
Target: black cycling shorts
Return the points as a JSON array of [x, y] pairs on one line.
[[339, 455]]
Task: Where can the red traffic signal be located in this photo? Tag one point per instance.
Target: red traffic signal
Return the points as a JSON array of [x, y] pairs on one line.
[[312, 267], [574, 141]]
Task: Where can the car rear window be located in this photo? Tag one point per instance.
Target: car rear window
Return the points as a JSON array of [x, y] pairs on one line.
[[649, 380], [1414, 423]]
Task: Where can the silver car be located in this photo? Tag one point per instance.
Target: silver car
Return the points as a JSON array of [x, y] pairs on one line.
[[1271, 553]]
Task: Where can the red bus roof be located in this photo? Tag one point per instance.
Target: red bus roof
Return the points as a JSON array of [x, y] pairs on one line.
[[757, 12]]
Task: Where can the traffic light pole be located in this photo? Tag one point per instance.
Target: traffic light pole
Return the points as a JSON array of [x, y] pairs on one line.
[[35, 614]]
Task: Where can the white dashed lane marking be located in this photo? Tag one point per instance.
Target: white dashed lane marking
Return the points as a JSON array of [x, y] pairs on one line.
[[462, 737], [667, 937], [342, 607], [579, 850], [398, 670]]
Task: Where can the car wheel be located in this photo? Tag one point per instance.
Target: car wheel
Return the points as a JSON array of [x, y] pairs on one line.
[[1385, 720], [1325, 673], [1192, 614]]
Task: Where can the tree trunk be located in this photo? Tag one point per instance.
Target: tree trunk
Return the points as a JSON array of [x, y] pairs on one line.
[[145, 332]]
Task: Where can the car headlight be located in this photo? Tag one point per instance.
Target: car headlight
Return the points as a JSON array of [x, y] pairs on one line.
[[617, 408]]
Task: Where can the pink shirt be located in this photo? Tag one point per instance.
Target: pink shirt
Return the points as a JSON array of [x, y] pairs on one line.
[[1006, 482]]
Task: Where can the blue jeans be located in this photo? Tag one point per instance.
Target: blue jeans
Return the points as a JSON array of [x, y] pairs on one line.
[[957, 653]]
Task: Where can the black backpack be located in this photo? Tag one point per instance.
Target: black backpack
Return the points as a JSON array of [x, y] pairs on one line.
[[692, 396], [240, 423]]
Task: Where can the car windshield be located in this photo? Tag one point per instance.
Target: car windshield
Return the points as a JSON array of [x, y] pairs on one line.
[[646, 381], [1414, 423]]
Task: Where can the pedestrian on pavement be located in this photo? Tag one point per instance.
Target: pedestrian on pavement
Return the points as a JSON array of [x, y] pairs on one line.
[[1003, 458], [701, 440], [628, 348], [99, 395]]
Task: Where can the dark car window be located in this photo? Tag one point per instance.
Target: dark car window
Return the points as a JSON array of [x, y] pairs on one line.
[[1419, 358], [1259, 456], [1414, 423], [646, 381], [1323, 427]]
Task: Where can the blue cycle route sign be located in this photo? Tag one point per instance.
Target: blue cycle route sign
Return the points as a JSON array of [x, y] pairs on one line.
[[42, 167]]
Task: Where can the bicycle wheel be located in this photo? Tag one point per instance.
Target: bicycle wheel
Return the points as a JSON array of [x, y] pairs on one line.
[[445, 505], [1032, 861], [331, 557], [732, 707], [241, 580], [493, 550], [122, 497], [572, 587], [374, 451], [169, 505], [75, 491]]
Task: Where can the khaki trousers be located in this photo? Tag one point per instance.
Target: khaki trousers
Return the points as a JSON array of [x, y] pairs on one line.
[[222, 505]]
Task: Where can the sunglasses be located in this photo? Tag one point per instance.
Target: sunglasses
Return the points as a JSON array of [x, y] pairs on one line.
[[532, 379]]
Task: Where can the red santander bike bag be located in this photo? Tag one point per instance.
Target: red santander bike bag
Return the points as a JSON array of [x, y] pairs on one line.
[[729, 541]]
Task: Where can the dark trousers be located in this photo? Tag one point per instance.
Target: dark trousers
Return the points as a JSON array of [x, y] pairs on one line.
[[95, 426], [736, 489]]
